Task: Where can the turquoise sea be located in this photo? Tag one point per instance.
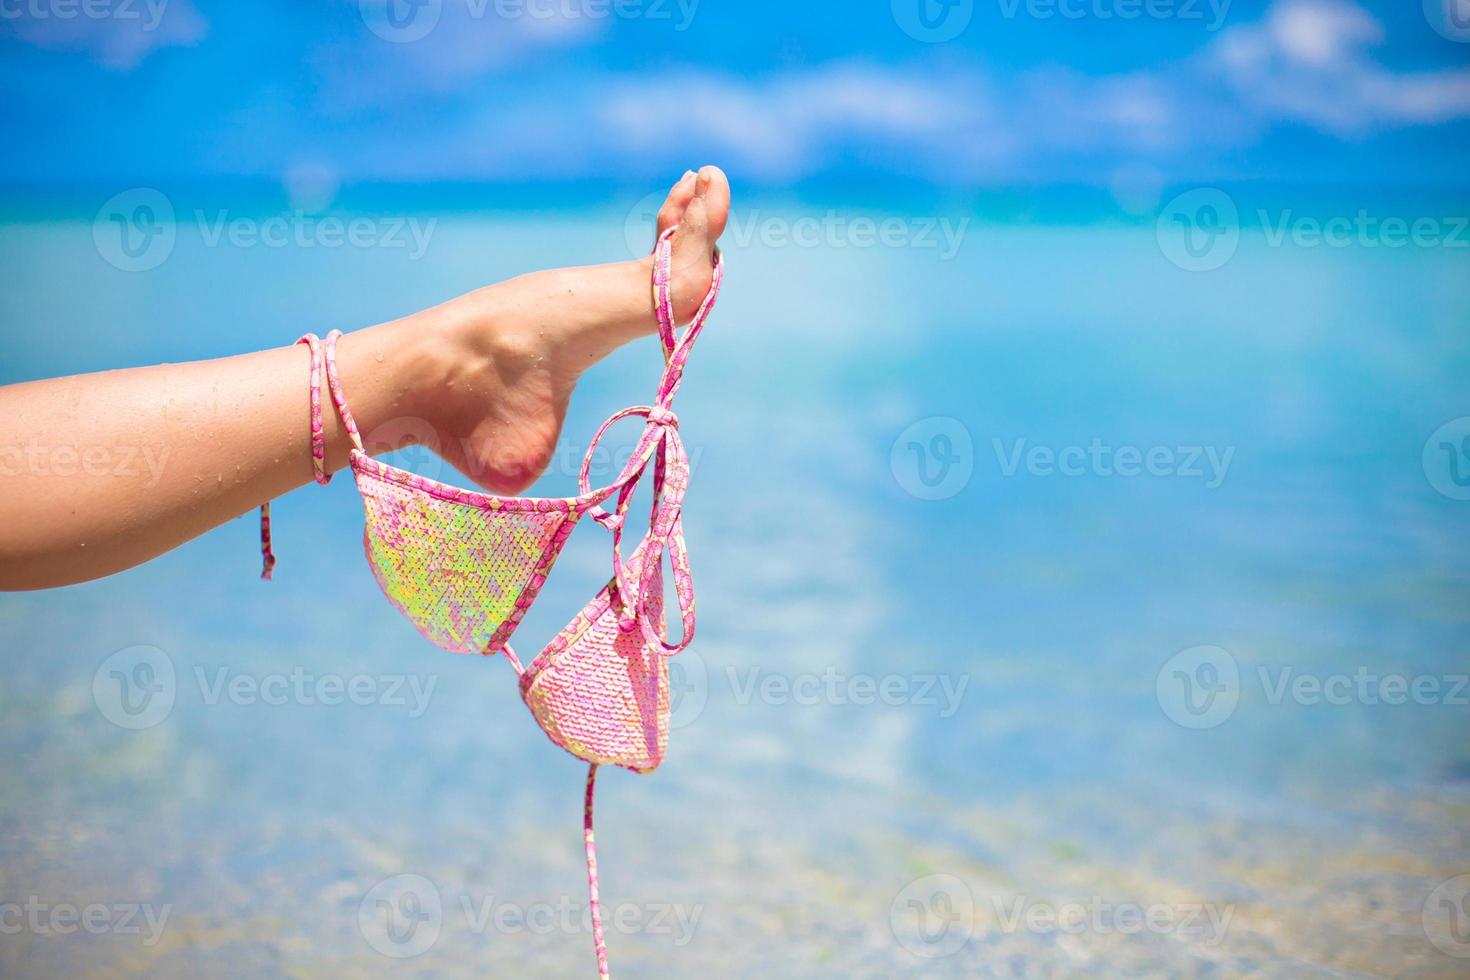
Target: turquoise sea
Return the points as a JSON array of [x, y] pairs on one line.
[[1083, 591]]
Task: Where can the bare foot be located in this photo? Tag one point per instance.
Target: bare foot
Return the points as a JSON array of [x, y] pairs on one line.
[[510, 354], [491, 373]]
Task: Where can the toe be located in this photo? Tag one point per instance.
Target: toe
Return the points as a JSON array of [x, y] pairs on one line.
[[700, 205], [700, 227], [703, 219], [677, 201], [713, 188]]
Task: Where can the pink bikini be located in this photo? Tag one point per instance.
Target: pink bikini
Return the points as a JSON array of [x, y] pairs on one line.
[[465, 566]]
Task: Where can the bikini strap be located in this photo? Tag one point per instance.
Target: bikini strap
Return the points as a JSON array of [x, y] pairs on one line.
[[594, 904], [335, 384], [663, 293], [267, 556], [320, 355], [318, 450], [676, 349], [318, 440], [660, 447]]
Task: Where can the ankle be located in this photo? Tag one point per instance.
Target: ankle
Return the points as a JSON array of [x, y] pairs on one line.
[[572, 317], [405, 366]]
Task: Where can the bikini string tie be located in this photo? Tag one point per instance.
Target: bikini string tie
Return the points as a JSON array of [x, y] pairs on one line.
[[659, 445], [660, 449], [594, 904], [318, 448]]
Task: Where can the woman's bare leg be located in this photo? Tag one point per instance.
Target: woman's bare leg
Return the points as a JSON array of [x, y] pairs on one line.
[[103, 471]]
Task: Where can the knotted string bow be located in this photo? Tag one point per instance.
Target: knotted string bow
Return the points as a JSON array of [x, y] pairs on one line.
[[661, 447]]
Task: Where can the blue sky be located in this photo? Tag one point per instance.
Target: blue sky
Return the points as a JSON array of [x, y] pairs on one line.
[[1025, 92]]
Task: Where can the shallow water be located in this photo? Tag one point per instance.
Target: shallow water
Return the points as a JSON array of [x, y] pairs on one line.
[[1049, 725]]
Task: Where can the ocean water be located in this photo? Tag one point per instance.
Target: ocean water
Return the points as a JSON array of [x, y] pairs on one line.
[[1067, 608]]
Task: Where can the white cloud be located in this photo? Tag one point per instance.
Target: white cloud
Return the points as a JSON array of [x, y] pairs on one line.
[[467, 43], [117, 36], [1320, 32], [950, 123], [777, 126], [1310, 61]]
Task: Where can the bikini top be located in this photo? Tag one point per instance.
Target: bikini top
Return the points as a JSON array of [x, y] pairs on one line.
[[465, 566]]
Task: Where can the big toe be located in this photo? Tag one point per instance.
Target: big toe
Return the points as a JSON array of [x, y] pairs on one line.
[[674, 206], [700, 227]]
